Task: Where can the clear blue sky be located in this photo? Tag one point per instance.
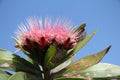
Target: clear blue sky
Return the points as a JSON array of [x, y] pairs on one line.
[[103, 15]]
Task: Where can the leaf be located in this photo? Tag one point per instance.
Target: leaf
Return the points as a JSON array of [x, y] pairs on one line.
[[82, 26], [60, 67], [19, 46], [6, 59], [4, 75], [13, 62], [49, 55], [65, 58], [23, 76], [102, 70], [83, 42], [83, 63], [36, 65], [63, 65], [87, 61], [106, 78]]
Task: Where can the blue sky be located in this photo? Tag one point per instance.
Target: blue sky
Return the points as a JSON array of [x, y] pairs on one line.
[[103, 15]]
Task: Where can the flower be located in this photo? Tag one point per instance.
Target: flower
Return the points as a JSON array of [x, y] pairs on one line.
[[36, 37]]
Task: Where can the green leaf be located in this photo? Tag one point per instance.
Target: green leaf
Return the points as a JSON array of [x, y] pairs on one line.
[[82, 26], [65, 58], [63, 65], [57, 71], [36, 65], [116, 78], [6, 59], [4, 75], [102, 70], [87, 61], [83, 42], [13, 62], [82, 63], [23, 76], [19, 46], [49, 55]]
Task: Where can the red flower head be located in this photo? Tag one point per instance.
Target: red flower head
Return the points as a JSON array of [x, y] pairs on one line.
[[36, 37]]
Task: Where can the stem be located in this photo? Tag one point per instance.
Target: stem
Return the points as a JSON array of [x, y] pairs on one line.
[[47, 75]]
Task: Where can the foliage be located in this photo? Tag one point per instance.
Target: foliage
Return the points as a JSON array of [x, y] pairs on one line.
[[86, 68]]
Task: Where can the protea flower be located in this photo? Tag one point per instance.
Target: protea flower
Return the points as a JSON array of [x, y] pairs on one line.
[[36, 38], [50, 48]]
